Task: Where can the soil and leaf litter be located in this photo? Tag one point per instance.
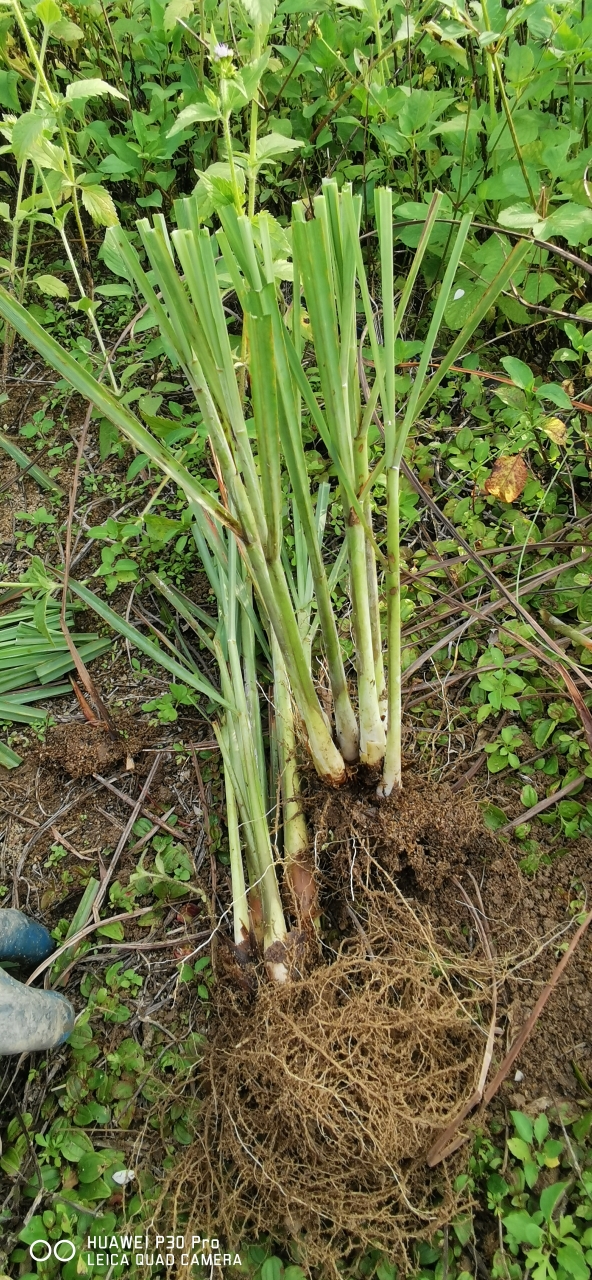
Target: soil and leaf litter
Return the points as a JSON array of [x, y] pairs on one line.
[[302, 509]]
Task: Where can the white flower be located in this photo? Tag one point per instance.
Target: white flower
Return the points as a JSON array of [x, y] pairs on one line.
[[222, 51]]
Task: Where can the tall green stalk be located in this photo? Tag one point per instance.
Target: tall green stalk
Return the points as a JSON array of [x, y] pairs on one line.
[[297, 867]]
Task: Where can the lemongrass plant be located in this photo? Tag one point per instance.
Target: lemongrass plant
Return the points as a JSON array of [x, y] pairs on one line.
[[253, 442], [231, 636]]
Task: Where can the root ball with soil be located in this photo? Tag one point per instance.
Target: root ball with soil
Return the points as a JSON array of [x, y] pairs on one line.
[[323, 1095]]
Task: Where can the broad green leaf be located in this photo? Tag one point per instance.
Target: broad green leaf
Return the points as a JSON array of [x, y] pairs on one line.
[[48, 13], [176, 9], [8, 91], [67, 31], [551, 391], [114, 931], [275, 144], [494, 817], [521, 1228], [81, 90], [519, 1148], [541, 1124], [519, 372], [34, 1230], [75, 1143], [518, 217], [91, 1166], [549, 1198], [98, 202], [26, 131], [571, 1258], [196, 113], [572, 221], [252, 71], [52, 286], [260, 12], [272, 1269], [523, 1126]]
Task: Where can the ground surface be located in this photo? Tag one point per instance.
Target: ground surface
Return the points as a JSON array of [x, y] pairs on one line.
[[62, 822]]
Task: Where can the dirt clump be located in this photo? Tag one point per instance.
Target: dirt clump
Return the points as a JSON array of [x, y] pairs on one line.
[[423, 836], [83, 749]]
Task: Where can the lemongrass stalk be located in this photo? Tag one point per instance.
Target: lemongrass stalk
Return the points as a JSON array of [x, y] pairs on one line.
[[232, 759], [255, 503], [372, 735], [274, 928], [252, 691], [240, 909], [362, 472], [274, 592], [393, 765], [254, 818], [392, 777], [328, 270], [374, 606], [298, 870]]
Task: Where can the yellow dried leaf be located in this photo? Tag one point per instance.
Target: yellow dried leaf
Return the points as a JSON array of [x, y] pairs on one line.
[[555, 429], [508, 478]]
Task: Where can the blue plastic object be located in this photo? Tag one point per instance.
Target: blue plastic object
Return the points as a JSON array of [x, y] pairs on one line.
[[22, 939], [30, 1018]]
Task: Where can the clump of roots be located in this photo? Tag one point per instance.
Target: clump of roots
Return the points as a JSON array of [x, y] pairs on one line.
[[323, 1096]]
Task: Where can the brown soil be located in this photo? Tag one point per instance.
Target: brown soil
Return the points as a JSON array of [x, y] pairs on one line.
[[83, 749]]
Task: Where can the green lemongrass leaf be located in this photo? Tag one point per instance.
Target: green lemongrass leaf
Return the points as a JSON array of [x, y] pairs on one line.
[[190, 612], [38, 475], [57, 666], [436, 321], [497, 285], [110, 406], [392, 321], [13, 710], [9, 758], [264, 389], [37, 694], [80, 918], [146, 646]]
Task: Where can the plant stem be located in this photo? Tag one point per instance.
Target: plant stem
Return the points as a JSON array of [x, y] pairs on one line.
[[392, 772], [372, 737], [237, 193], [298, 870], [512, 128], [240, 909], [253, 133]]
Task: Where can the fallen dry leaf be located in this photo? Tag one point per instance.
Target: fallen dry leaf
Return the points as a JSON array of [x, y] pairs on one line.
[[555, 429], [508, 478]]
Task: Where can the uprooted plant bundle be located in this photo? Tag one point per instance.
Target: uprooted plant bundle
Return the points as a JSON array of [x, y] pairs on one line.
[[349, 1067]]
